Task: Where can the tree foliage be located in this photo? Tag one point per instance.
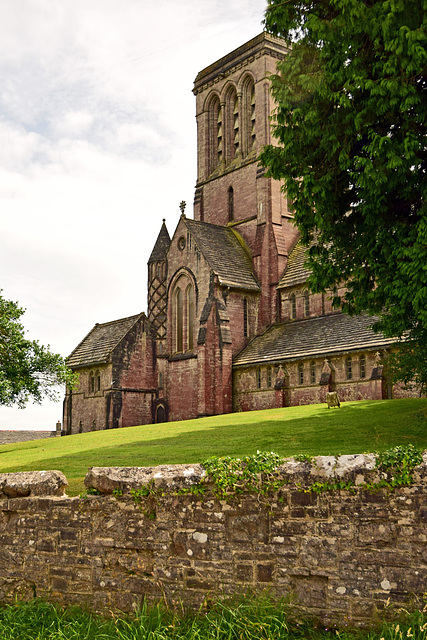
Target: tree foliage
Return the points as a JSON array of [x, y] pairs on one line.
[[28, 371], [352, 150]]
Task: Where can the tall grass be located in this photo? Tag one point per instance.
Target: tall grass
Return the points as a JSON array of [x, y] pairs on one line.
[[247, 619]]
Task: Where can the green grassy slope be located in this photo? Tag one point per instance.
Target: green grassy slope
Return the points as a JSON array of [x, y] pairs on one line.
[[313, 429]]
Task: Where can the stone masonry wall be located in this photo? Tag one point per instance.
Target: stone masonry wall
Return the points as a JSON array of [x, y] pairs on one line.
[[340, 556]]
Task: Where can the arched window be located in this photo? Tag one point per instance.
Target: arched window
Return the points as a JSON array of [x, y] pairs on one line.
[[182, 312], [91, 382], [231, 125], [190, 316], [215, 133], [362, 366], [179, 323], [313, 372], [306, 303], [258, 377], [292, 306], [245, 318], [348, 368], [230, 204], [248, 119], [301, 374]]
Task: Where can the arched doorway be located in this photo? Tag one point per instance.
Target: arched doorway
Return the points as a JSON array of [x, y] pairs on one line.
[[161, 414]]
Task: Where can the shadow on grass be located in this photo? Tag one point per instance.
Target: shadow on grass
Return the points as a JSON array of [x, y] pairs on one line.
[[355, 428]]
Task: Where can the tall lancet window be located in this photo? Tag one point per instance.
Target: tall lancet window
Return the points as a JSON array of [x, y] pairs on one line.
[[248, 120], [231, 125], [230, 204], [215, 134], [183, 303], [190, 316], [179, 326]]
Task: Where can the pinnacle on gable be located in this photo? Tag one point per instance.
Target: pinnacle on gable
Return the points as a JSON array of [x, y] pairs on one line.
[[162, 245]]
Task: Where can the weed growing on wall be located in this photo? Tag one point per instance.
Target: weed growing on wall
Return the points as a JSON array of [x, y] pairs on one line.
[[254, 473], [399, 464]]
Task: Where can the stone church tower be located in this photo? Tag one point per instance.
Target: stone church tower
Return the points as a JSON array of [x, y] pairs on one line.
[[233, 106]]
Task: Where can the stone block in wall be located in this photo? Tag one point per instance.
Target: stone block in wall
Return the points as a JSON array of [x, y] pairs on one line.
[[32, 483], [108, 479]]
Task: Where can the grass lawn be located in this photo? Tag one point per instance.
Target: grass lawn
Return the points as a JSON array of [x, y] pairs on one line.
[[368, 426]]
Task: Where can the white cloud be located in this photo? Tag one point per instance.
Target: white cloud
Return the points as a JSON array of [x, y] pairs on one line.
[[97, 146]]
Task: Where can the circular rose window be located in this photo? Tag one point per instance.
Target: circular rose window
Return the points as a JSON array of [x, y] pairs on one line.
[[181, 243]]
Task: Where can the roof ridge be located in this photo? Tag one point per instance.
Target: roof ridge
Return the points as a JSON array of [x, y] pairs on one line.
[[97, 325], [229, 235], [103, 324]]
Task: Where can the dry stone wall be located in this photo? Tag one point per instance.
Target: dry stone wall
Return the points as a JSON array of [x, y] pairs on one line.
[[341, 556]]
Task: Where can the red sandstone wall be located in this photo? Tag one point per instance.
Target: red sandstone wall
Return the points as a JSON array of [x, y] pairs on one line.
[[136, 408], [182, 389]]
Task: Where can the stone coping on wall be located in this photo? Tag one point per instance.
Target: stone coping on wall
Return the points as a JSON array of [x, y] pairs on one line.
[[358, 469], [32, 483]]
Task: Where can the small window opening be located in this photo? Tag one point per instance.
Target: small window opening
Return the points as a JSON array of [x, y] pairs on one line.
[[313, 373], [230, 204], [348, 367], [292, 306], [306, 304], [362, 366], [245, 318]]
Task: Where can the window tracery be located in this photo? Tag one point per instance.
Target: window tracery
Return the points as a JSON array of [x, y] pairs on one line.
[[183, 311]]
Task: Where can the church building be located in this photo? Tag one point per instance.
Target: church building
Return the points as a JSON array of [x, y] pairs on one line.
[[230, 324]]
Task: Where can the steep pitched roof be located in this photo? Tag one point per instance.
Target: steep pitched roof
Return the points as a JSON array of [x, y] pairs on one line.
[[97, 346], [225, 254], [313, 337], [162, 245], [296, 272]]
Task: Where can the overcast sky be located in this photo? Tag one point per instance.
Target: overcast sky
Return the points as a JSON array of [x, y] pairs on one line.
[[97, 146]]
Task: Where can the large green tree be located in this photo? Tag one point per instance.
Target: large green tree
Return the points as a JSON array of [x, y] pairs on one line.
[[351, 150], [28, 371]]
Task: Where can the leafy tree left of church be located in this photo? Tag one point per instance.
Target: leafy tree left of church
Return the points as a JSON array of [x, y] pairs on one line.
[[28, 370]]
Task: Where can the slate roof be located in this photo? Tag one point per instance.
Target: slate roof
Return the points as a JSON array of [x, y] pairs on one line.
[[225, 254], [162, 245], [97, 346], [313, 337], [296, 272]]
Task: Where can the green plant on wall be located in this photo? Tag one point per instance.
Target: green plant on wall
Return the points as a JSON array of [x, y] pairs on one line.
[[399, 463], [254, 473]]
